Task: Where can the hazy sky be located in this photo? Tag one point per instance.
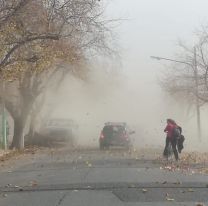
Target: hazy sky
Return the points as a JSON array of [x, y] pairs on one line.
[[154, 27]]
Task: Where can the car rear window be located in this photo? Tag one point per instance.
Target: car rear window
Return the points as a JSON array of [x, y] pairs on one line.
[[110, 129]]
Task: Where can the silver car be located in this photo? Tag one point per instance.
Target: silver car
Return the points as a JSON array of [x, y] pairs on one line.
[[59, 130]]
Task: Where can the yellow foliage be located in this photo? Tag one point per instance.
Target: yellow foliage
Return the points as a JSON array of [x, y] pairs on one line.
[[38, 55]]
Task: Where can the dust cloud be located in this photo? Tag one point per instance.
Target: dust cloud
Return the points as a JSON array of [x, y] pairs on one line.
[[115, 96]]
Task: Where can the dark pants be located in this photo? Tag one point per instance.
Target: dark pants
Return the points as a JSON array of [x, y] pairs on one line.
[[173, 143], [180, 143]]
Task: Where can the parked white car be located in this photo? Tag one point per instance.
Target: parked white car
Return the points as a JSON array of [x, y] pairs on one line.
[[59, 130]]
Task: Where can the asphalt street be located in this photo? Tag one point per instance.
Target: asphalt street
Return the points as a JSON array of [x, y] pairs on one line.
[[91, 177]]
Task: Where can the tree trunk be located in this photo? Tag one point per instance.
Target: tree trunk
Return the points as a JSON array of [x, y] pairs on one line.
[[31, 131], [31, 134], [18, 138]]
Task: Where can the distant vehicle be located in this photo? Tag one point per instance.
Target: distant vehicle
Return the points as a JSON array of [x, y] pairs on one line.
[[59, 130], [115, 134]]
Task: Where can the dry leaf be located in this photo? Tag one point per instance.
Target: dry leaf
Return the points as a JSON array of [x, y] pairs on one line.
[[33, 183], [190, 190], [5, 195], [177, 183], [169, 199], [199, 204], [144, 190]]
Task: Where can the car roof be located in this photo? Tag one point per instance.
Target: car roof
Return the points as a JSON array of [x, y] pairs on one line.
[[115, 124]]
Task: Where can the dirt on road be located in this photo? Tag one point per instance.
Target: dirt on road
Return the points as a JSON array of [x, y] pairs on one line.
[[190, 162]]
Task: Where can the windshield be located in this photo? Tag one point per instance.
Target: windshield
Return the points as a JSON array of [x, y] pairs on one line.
[[61, 123], [103, 102]]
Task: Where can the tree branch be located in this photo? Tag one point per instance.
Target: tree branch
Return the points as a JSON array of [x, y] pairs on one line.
[[23, 42]]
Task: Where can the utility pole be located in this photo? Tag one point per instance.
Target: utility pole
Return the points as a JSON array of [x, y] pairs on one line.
[[198, 113]]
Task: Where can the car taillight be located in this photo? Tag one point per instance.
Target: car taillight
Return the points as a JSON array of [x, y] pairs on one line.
[[101, 136]]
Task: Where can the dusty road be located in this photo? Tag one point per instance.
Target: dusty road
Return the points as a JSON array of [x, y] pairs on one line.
[[92, 177]]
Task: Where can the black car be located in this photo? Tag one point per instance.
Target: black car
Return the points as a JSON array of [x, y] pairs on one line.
[[115, 134]]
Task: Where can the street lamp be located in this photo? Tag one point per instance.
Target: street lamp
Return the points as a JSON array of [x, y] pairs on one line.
[[172, 60], [196, 85]]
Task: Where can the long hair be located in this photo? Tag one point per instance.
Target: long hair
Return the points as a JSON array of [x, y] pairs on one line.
[[171, 121]]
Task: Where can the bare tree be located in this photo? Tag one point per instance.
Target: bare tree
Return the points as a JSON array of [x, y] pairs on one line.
[[181, 80], [190, 82]]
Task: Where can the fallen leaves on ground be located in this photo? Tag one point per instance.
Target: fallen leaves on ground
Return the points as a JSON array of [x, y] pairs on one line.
[[88, 164], [9, 154], [168, 198], [33, 183], [177, 183], [8, 185], [190, 163], [190, 190]]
